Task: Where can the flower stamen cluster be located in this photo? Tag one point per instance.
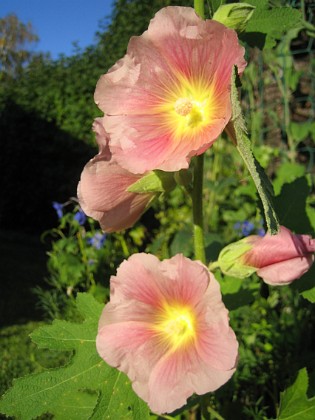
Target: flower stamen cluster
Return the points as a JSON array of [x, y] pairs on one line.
[[175, 326]]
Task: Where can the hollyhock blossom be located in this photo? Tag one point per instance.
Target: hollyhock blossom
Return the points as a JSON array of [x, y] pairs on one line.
[[102, 190], [167, 328], [277, 259], [168, 98]]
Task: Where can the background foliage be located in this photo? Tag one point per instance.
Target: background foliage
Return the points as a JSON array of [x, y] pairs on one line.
[[46, 111]]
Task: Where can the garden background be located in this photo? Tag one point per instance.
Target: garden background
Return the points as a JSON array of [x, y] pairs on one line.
[[46, 112]]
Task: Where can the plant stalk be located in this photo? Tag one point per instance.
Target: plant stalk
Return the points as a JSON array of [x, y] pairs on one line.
[[199, 7], [197, 199]]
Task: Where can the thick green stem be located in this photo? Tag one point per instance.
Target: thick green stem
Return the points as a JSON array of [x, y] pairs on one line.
[[199, 7], [199, 243]]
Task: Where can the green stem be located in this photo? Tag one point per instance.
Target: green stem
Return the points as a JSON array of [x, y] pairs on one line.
[[199, 7], [124, 246], [213, 176], [85, 259], [199, 243], [215, 414]]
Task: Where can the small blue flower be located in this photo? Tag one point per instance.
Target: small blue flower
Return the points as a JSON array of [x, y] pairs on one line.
[[80, 217], [58, 207], [97, 240], [247, 227], [261, 232], [244, 228]]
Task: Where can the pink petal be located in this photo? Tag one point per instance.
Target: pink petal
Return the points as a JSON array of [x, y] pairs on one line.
[[103, 194], [177, 46], [138, 279], [145, 279], [131, 336], [285, 272], [272, 249], [178, 375]]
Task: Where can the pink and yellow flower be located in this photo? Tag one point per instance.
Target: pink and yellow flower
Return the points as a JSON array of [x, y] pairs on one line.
[[168, 98], [167, 328], [102, 190], [277, 259]]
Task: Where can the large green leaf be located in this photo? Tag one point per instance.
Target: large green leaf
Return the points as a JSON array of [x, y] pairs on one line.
[[268, 24], [85, 388], [294, 404]]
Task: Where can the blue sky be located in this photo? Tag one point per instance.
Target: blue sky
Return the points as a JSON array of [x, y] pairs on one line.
[[59, 23]]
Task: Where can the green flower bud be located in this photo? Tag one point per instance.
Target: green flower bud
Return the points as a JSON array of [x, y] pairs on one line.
[[230, 260], [234, 15]]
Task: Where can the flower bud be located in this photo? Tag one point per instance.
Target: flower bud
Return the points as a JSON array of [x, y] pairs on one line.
[[234, 15], [277, 259]]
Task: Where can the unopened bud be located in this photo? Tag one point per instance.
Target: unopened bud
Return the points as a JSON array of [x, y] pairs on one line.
[[234, 15]]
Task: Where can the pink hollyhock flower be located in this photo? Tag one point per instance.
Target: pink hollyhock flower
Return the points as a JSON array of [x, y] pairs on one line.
[[280, 258], [277, 259], [168, 98], [167, 328], [102, 190]]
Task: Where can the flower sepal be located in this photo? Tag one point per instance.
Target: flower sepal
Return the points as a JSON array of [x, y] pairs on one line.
[[230, 260], [154, 182], [234, 15]]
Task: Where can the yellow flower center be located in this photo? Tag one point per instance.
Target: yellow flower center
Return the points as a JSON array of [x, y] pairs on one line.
[[192, 111], [176, 325]]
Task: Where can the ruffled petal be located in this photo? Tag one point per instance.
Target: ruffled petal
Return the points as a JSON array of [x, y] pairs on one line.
[[179, 57]]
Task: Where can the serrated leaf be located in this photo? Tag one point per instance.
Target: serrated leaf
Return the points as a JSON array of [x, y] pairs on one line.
[[294, 404], [262, 183], [75, 405], [87, 378], [268, 24]]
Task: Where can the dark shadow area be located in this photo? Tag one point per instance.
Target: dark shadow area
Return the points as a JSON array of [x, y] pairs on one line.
[[22, 267], [39, 164]]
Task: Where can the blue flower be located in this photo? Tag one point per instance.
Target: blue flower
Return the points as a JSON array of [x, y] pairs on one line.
[[80, 217], [244, 228], [97, 240], [58, 207], [247, 227], [261, 232]]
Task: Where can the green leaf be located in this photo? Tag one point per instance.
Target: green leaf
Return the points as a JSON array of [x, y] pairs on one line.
[[262, 183], [291, 204], [154, 182], [268, 24], [182, 243], [294, 404], [85, 388], [287, 172], [306, 285]]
